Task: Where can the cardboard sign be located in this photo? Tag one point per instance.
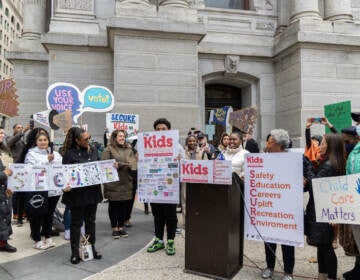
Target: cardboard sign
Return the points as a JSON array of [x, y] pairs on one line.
[[63, 120], [244, 119], [274, 198], [337, 199], [8, 102], [120, 121], [339, 115], [206, 171]]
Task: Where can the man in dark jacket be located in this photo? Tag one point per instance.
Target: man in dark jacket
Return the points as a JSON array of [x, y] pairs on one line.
[[16, 145]]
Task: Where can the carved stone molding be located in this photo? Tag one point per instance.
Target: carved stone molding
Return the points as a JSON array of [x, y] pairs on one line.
[[176, 3], [132, 2], [262, 5], [74, 8], [232, 63], [269, 26]]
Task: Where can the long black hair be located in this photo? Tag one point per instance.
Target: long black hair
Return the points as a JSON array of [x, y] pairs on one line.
[[70, 138]]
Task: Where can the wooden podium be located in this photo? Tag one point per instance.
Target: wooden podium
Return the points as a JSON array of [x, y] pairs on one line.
[[214, 239]]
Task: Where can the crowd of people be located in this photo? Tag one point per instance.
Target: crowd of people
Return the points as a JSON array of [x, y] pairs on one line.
[[333, 154]]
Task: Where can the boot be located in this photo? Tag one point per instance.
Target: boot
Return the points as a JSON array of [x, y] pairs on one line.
[[6, 247], [97, 255], [322, 276]]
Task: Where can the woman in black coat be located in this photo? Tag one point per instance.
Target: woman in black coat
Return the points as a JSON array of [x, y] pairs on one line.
[[332, 163], [81, 201]]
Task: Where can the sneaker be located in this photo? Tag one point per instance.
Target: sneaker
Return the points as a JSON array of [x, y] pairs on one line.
[[267, 273], [170, 247], [287, 277], [6, 247], [40, 245], [67, 234], [156, 246], [123, 233], [115, 234], [49, 242]]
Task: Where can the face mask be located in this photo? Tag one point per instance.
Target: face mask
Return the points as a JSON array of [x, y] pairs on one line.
[[349, 147]]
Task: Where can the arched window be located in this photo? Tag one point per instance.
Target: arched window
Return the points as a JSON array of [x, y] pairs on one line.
[[7, 12], [228, 4], [18, 27], [12, 19]]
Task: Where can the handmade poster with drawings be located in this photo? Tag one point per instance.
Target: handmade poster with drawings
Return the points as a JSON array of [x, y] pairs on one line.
[[39, 178], [108, 172], [90, 173], [72, 176], [19, 180], [57, 177]]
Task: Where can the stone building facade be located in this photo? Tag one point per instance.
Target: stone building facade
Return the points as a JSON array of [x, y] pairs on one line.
[[11, 21], [180, 58]]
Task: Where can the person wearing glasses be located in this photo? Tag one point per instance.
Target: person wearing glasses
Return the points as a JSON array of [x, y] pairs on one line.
[[81, 201]]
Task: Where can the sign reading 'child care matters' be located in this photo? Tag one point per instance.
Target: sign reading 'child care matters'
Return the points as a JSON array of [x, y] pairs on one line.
[[337, 199], [274, 198], [158, 167]]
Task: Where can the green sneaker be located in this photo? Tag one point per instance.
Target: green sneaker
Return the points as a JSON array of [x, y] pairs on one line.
[[170, 247], [156, 246]]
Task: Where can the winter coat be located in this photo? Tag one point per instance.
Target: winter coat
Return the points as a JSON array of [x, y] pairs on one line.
[[199, 154], [123, 189], [16, 144], [39, 157], [5, 211], [80, 197], [237, 158]]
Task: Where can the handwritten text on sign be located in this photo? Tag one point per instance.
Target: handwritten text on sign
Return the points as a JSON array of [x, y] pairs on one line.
[[337, 199], [274, 198]]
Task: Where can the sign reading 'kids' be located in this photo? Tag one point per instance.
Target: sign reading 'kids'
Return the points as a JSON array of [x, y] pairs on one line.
[[64, 96]]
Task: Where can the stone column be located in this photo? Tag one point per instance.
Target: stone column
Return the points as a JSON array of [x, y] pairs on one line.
[[34, 19], [304, 9], [175, 3], [338, 10]]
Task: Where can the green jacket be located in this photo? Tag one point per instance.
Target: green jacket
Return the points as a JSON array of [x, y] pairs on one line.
[[353, 161]]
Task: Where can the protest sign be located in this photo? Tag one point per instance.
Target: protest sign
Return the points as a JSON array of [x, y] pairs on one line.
[[120, 121], [158, 144], [27, 177], [337, 199], [42, 117], [8, 96], [97, 99], [244, 119], [339, 115], [158, 167], [274, 198], [206, 171]]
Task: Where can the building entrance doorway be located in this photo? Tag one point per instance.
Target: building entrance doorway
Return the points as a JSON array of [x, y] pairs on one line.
[[218, 96]]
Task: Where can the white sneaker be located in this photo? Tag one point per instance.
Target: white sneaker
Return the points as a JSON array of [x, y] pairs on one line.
[[49, 242], [40, 245], [267, 273], [67, 234]]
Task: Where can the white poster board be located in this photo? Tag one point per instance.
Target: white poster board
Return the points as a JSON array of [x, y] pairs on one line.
[[206, 171], [120, 121], [27, 177], [337, 199], [274, 198], [158, 167]]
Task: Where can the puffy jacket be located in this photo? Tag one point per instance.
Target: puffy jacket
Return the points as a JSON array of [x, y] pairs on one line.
[[5, 212], [88, 195], [353, 161]]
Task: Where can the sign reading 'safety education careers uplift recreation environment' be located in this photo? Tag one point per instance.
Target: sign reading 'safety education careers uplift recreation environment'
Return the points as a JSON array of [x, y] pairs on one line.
[[274, 198]]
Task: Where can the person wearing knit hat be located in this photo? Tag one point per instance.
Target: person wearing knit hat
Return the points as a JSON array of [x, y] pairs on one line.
[[356, 117]]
